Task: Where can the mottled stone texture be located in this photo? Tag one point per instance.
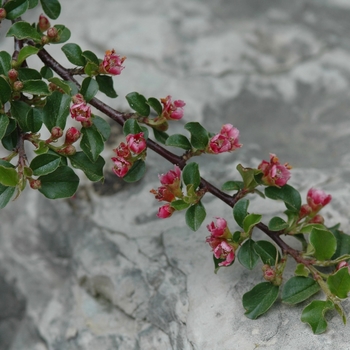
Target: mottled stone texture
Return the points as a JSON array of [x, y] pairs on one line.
[[100, 271]]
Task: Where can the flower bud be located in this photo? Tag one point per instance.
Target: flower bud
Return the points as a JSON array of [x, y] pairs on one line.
[[12, 74], [269, 273], [43, 23], [317, 219], [35, 184], [45, 40], [17, 85], [56, 133], [68, 150], [52, 34], [72, 135], [3, 14]]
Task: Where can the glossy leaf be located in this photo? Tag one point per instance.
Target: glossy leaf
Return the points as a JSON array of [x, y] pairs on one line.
[[15, 8], [324, 244], [277, 224], [36, 87], [33, 3], [91, 142], [178, 140], [63, 34], [56, 110], [248, 176], [250, 221], [343, 243], [179, 204], [46, 72], [136, 172], [102, 127], [61, 84], [61, 183], [301, 270], [52, 8], [191, 175], [267, 252], [339, 283], [232, 186], [131, 126], [90, 56], [199, 135], [240, 211], [138, 103], [4, 122], [89, 88], [34, 119], [287, 194], [93, 171], [105, 85], [25, 73], [8, 176], [298, 289], [6, 194], [26, 52], [155, 104], [42, 148], [23, 30], [74, 54], [314, 313], [44, 164], [19, 111], [160, 136], [259, 299], [6, 91], [247, 255], [195, 216], [10, 141], [5, 62]]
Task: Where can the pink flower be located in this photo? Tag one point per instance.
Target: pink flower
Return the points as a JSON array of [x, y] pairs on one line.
[[165, 211], [122, 150], [226, 141], [224, 251], [219, 228], [72, 135], [163, 194], [172, 110], [343, 264], [112, 63], [80, 111], [136, 142], [121, 166], [274, 173], [317, 199], [171, 177]]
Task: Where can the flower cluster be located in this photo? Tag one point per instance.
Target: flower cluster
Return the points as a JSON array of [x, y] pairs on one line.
[[220, 242], [274, 173], [80, 111], [128, 153], [227, 140], [169, 191], [112, 63], [172, 110]]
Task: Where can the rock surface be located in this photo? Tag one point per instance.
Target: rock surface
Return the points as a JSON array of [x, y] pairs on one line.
[[100, 271]]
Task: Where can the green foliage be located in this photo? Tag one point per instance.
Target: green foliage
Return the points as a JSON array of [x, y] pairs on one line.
[[92, 170], [44, 164], [199, 136], [160, 136], [314, 313], [240, 211], [92, 142], [131, 126], [155, 104], [247, 255], [105, 85], [136, 172], [52, 8], [26, 52], [267, 252], [23, 30], [5, 91], [138, 103], [74, 54], [250, 221], [298, 289], [4, 122], [16, 8], [8, 176], [339, 283], [5, 62], [191, 176], [178, 140], [89, 88], [289, 195], [56, 110], [277, 224], [195, 216], [323, 244], [249, 177], [232, 186]]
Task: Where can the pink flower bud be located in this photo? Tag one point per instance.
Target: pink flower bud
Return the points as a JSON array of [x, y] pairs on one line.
[[121, 166], [12, 74], [17, 86], [80, 111], [163, 194], [112, 63], [35, 184], [136, 142], [224, 251], [56, 133], [52, 33], [317, 219], [171, 177], [45, 40], [68, 150], [3, 14], [305, 210], [165, 211], [317, 199], [72, 135], [219, 228], [269, 273], [172, 110], [43, 23], [274, 173]]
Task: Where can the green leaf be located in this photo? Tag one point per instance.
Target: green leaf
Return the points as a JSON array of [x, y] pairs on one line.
[[23, 30], [5, 62], [8, 176], [34, 119], [89, 88], [267, 252], [42, 148], [105, 85], [190, 175], [61, 84], [92, 142], [247, 255], [61, 183], [298, 289], [102, 127], [155, 104], [6, 194], [52, 8], [250, 221], [277, 224], [36, 87], [131, 126], [339, 283], [46, 72], [93, 171], [138, 103], [160, 136], [56, 110], [63, 34], [199, 135], [5, 91], [19, 111], [16, 8], [136, 172], [232, 186], [28, 74], [178, 140], [4, 122], [249, 176], [179, 204], [10, 141], [301, 270], [343, 243], [32, 3], [313, 314], [44, 164], [74, 54], [26, 52], [91, 57], [289, 195], [195, 216], [324, 244], [258, 300], [240, 211]]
